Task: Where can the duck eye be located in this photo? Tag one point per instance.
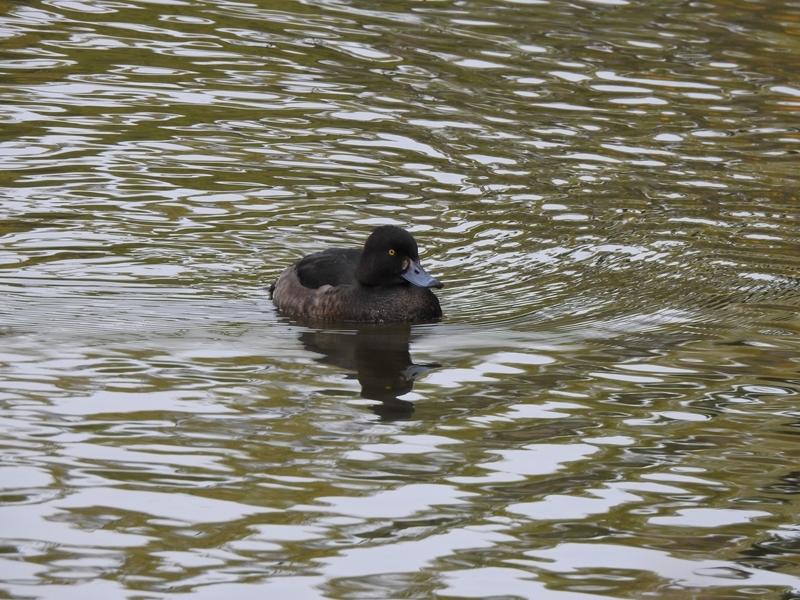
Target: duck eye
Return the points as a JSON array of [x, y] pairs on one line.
[[391, 252]]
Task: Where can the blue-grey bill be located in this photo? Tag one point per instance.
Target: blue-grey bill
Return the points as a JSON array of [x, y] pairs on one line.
[[416, 274]]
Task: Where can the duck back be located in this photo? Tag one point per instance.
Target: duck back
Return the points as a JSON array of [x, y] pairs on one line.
[[335, 266]]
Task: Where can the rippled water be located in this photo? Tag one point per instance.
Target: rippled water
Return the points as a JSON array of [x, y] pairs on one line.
[[608, 190]]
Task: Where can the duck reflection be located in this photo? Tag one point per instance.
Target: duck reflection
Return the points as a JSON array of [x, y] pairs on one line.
[[380, 357]]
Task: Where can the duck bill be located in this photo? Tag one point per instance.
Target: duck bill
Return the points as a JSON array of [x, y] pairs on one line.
[[416, 274]]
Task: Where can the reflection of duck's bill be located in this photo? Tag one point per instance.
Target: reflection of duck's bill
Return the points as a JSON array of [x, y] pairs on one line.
[[411, 372], [416, 274]]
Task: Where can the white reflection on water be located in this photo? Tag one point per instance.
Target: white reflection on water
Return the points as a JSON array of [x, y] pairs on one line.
[[598, 502], [538, 459], [390, 504], [37, 523], [571, 557], [485, 582], [411, 556], [708, 517]]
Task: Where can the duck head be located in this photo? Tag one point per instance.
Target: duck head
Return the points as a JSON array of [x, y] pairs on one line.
[[391, 257]]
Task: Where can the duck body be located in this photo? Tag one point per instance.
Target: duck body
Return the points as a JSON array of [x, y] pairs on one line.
[[381, 283]]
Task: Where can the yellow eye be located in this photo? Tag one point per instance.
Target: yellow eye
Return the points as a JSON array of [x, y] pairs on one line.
[[391, 252]]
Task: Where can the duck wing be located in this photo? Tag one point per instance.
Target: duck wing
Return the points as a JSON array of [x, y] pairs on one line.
[[335, 267]]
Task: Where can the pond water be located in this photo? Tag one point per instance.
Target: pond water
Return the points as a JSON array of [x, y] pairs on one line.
[[609, 191]]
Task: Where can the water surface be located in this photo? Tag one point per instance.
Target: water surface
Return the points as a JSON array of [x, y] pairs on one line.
[[609, 407]]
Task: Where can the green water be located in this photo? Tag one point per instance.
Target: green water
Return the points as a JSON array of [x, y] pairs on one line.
[[608, 190]]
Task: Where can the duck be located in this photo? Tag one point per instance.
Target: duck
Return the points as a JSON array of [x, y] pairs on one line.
[[383, 282]]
